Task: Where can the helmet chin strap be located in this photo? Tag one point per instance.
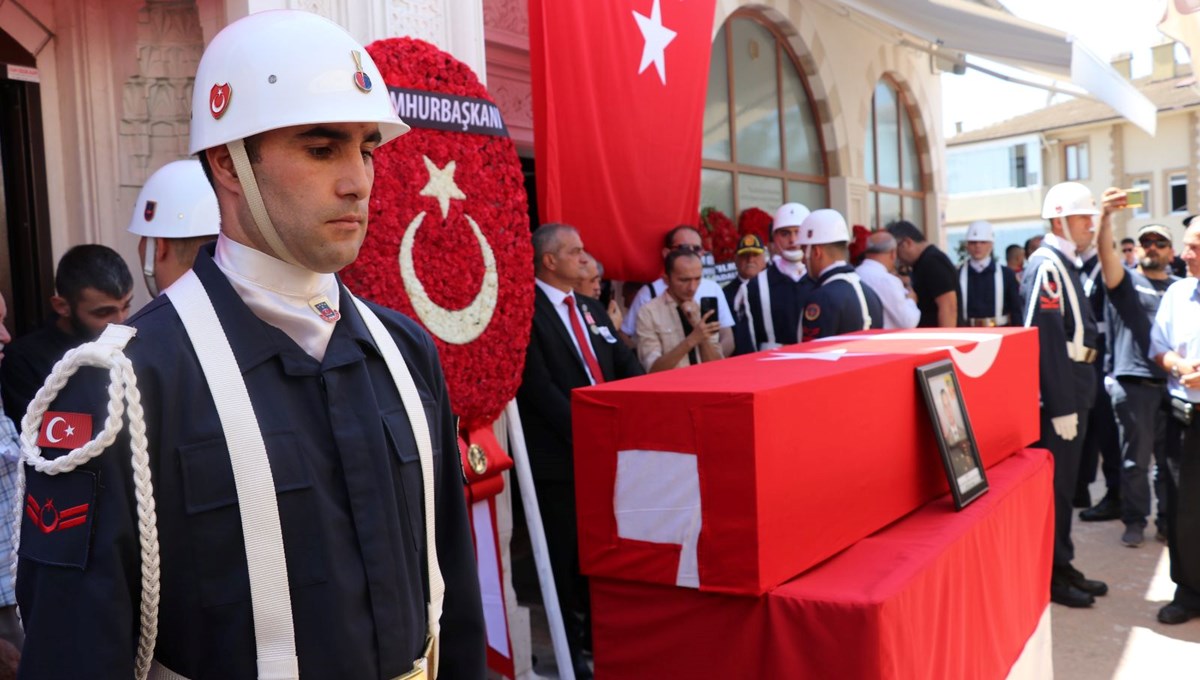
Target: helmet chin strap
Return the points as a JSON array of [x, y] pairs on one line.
[[241, 162], [793, 254], [148, 266]]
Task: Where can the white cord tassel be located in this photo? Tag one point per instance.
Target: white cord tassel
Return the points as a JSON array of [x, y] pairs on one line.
[[122, 389]]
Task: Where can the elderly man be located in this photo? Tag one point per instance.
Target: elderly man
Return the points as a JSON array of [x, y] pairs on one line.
[[769, 312], [572, 344], [841, 303], [878, 271], [750, 259], [671, 332], [988, 292], [1056, 304], [1138, 385], [1175, 347], [933, 277]]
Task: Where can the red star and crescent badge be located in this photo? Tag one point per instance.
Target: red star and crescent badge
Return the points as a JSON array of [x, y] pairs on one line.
[[218, 99]]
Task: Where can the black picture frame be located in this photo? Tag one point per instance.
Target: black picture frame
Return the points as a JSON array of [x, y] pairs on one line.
[[952, 428]]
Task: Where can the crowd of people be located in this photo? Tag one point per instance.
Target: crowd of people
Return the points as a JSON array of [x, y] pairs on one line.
[[371, 582]]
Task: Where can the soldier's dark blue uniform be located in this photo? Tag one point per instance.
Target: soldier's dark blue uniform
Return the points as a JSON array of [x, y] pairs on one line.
[[350, 499], [1066, 378], [788, 299], [834, 308], [980, 294]]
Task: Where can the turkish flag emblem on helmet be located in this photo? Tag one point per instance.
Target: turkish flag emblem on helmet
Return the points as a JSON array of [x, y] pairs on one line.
[[218, 99], [148, 213]]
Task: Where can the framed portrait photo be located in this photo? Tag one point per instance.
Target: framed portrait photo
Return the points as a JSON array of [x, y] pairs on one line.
[[952, 427]]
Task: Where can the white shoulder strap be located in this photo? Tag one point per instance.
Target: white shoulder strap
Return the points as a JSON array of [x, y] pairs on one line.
[[962, 288], [398, 367], [998, 282], [1059, 272], [270, 598], [764, 298], [855, 281], [741, 305]]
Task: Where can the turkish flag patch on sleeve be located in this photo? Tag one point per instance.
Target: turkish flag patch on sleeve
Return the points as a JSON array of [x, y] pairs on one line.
[[56, 525], [61, 430]]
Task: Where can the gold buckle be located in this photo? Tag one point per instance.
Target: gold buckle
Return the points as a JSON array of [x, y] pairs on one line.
[[423, 668]]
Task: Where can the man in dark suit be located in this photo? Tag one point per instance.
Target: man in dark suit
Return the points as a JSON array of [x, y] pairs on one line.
[[573, 343]]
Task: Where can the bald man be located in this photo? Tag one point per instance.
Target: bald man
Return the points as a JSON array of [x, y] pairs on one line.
[[878, 270]]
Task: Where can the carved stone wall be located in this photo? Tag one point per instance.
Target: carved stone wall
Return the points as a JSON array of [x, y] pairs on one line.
[[506, 42], [155, 101]]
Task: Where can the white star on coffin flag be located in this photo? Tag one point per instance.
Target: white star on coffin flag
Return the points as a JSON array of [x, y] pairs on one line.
[[657, 38], [441, 185]]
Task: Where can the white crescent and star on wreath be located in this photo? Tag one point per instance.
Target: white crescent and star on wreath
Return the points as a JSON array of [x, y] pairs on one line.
[[455, 326]]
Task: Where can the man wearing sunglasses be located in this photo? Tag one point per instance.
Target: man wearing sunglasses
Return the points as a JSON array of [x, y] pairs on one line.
[[1129, 255], [1138, 385]]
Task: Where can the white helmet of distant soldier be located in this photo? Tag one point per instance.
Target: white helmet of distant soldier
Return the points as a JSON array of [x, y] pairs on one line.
[[1069, 198], [278, 69], [176, 202], [824, 226], [980, 230], [789, 215]]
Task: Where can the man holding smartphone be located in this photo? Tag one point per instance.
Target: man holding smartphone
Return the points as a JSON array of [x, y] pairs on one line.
[[672, 329]]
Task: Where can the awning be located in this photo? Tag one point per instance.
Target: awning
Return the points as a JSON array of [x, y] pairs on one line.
[[985, 32]]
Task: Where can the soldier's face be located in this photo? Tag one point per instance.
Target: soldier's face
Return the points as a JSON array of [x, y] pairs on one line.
[[979, 250], [750, 264], [316, 182], [1079, 229]]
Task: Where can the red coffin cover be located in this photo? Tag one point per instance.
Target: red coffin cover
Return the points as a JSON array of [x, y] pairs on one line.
[[799, 452]]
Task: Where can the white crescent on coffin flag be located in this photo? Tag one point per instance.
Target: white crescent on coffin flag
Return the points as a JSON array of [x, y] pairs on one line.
[[657, 499]]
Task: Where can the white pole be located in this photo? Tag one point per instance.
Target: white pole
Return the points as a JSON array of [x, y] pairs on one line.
[[537, 538]]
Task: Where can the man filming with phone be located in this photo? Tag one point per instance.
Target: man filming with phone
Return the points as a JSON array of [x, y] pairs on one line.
[[673, 330]]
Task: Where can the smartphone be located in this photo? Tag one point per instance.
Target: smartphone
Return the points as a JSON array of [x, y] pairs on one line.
[[1135, 198], [708, 304]]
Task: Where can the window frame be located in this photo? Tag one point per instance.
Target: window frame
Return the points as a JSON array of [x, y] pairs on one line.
[[1087, 171], [903, 101], [733, 167], [1168, 176]]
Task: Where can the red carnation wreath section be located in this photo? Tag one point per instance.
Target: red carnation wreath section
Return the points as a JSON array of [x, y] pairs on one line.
[[483, 374], [718, 235]]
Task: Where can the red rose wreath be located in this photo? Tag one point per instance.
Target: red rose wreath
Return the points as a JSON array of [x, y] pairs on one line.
[[448, 242]]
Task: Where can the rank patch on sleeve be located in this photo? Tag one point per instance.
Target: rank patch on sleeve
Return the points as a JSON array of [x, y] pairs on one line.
[[57, 521]]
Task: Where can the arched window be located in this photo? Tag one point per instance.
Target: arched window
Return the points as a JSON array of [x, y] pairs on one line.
[[893, 163], [762, 141]]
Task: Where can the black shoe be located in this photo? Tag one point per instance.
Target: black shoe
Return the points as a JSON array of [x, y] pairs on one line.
[[1109, 508], [1076, 579], [1134, 536], [1082, 499], [1173, 614], [1070, 596]]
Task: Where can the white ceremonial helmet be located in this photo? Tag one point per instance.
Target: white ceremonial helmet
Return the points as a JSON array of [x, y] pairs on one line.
[[824, 226], [176, 202], [1069, 198], [980, 230], [789, 215], [277, 69]]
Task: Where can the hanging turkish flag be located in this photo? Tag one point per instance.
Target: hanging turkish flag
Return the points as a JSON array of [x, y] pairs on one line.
[[618, 92]]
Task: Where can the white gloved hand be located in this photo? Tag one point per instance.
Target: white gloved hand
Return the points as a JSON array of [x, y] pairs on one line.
[[1066, 426]]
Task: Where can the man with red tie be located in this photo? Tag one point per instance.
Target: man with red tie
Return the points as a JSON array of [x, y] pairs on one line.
[[572, 344]]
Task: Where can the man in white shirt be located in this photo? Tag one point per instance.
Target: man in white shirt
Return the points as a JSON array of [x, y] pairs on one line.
[[878, 270], [686, 237], [672, 329]]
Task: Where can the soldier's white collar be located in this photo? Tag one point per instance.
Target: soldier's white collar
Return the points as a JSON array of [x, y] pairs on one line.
[[1063, 245], [793, 270], [259, 269], [979, 265]]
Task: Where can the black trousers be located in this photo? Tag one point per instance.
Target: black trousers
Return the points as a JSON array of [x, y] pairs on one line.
[[556, 503], [1140, 407], [1183, 507], [1101, 445], [1066, 463]]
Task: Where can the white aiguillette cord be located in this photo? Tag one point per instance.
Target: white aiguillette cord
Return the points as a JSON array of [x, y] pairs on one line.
[[123, 394], [262, 535]]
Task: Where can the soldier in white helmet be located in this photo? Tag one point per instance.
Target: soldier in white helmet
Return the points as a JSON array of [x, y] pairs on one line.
[[988, 292], [769, 306], [310, 511], [1056, 304], [842, 303], [176, 213]]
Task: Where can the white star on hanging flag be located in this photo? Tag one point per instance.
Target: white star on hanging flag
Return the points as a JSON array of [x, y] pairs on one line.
[[441, 185], [657, 38]]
